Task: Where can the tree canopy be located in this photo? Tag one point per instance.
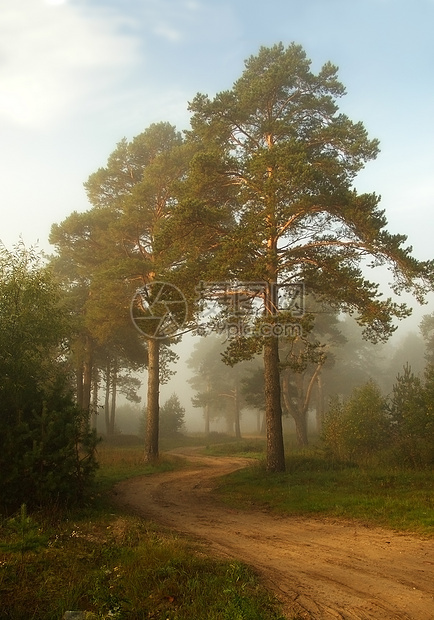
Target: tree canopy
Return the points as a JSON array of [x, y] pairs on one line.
[[278, 140]]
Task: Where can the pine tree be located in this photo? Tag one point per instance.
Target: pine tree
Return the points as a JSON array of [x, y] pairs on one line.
[[287, 160]]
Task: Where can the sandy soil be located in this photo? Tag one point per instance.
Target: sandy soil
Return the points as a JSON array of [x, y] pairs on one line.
[[318, 569]]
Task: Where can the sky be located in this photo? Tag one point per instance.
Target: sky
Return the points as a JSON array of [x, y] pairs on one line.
[[76, 76]]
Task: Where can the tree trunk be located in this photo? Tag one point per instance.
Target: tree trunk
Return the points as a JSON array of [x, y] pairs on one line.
[[207, 409], [237, 410], [303, 395], [229, 422], [263, 423], [107, 397], [206, 414], [153, 406], [87, 374], [301, 412], [297, 412], [319, 404], [300, 419], [79, 380], [273, 404], [94, 416], [273, 407], [113, 402]]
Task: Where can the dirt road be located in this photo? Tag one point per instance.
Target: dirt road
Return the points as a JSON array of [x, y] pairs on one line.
[[319, 569]]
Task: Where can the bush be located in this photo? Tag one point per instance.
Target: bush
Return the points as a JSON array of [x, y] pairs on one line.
[[358, 428], [402, 429], [412, 414], [47, 453]]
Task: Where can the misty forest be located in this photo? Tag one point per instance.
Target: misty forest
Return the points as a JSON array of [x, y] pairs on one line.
[[225, 290]]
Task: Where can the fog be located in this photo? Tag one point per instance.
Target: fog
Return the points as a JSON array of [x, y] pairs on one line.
[[404, 346]]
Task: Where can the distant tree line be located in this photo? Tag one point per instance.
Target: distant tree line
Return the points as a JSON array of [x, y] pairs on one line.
[[322, 382], [399, 429]]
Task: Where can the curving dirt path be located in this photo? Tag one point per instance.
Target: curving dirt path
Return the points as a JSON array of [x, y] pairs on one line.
[[319, 569]]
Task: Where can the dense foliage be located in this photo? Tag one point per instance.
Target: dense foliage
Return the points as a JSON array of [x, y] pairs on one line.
[[397, 430], [358, 427], [412, 416], [172, 416], [46, 450]]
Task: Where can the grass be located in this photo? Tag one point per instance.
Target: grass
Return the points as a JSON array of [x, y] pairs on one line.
[[118, 566], [252, 447], [312, 485], [124, 457], [117, 463]]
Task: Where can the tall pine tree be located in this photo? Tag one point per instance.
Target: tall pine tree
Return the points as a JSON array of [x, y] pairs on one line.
[[290, 158]]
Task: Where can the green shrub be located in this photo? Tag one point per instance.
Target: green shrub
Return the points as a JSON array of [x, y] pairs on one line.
[[46, 449], [400, 429], [359, 427], [412, 414], [47, 459]]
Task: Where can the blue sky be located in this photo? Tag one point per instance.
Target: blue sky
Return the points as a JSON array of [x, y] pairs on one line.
[[78, 75]]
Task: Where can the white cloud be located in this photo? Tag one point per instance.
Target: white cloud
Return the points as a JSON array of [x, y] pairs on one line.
[[168, 32], [52, 57], [192, 5]]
